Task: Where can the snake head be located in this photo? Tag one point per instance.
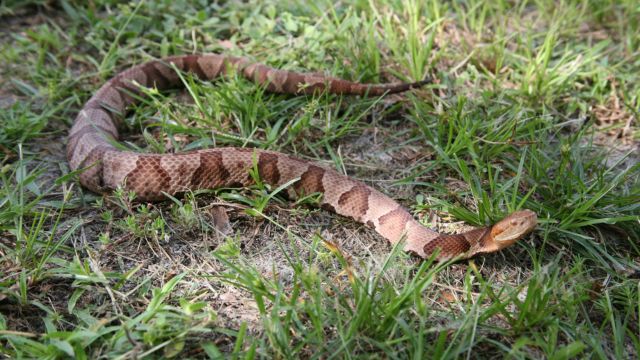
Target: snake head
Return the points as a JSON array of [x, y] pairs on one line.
[[512, 228]]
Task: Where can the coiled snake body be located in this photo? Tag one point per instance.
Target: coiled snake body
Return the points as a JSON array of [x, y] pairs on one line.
[[95, 129]]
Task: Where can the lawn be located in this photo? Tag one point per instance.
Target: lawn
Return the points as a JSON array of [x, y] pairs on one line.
[[534, 105]]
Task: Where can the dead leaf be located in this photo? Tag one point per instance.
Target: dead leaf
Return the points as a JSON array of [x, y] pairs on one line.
[[220, 220], [448, 296]]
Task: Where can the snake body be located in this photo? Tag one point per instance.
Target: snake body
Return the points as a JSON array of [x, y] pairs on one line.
[[92, 137]]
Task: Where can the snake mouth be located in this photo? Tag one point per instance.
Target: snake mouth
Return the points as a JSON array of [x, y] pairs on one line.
[[514, 227]]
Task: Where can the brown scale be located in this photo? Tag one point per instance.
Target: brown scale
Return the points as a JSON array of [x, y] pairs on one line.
[[448, 245], [148, 179], [211, 173], [311, 181], [396, 221], [268, 168], [355, 202]]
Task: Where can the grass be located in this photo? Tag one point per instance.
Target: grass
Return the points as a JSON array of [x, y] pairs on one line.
[[535, 106]]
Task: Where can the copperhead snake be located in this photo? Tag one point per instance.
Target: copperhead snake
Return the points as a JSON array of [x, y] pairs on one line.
[[92, 137]]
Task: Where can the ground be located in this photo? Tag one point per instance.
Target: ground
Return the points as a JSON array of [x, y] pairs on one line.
[[533, 105]]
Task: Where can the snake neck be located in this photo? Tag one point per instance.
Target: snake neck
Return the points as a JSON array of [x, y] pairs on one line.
[[465, 245]]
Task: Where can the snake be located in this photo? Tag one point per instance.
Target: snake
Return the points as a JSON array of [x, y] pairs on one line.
[[105, 165]]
